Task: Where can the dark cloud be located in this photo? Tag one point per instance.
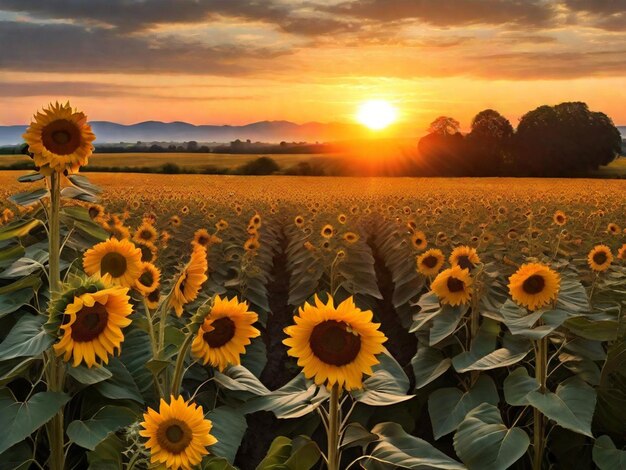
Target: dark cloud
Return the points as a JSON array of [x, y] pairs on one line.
[[609, 15], [73, 48], [532, 13]]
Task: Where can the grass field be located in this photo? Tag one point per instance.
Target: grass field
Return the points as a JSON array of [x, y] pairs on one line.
[[433, 259]]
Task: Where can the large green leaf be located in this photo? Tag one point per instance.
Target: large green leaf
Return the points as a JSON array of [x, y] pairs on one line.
[[387, 386], [285, 454], [18, 228], [229, 426], [108, 454], [241, 379], [11, 369], [21, 419], [446, 323], [88, 376], [522, 323], [26, 339], [91, 432], [518, 385], [401, 450], [483, 442], [27, 198], [606, 456], [513, 350], [592, 328], [449, 406], [428, 364], [121, 385], [211, 462]]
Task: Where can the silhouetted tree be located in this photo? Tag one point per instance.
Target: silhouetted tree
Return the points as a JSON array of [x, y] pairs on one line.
[[192, 146], [441, 151], [488, 144], [260, 166], [565, 139]]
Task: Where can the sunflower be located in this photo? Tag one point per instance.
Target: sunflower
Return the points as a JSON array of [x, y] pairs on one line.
[[92, 326], [153, 298], [299, 221], [452, 286], [621, 253], [430, 262], [613, 229], [418, 239], [95, 211], [327, 231], [350, 237], [117, 262], [146, 233], [255, 221], [149, 279], [464, 256], [178, 434], [119, 231], [559, 218], [600, 258], [342, 218], [202, 237], [221, 225], [149, 251], [60, 138], [252, 244], [335, 345], [534, 285], [225, 333], [190, 280]]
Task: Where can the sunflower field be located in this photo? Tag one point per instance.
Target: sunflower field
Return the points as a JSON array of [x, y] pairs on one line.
[[295, 323]]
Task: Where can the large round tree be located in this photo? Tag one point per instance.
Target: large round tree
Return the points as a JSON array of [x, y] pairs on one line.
[[565, 139]]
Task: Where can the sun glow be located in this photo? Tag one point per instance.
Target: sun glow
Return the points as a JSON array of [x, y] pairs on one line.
[[376, 114]]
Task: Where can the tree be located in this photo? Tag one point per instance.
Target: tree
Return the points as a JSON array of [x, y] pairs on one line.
[[441, 151], [260, 166], [192, 146], [488, 143], [444, 125], [565, 139]]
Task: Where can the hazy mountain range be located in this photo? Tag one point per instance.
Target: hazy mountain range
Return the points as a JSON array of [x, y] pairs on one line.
[[263, 131], [156, 131]]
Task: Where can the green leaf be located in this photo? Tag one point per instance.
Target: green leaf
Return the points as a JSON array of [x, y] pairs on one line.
[[356, 435], [513, 350], [445, 323], [588, 327], [255, 357], [428, 364], [210, 462], [571, 406], [606, 456], [285, 454], [26, 339], [483, 442], [72, 192], [521, 323], [10, 370], [10, 254], [91, 432], [449, 406], [88, 376], [18, 228], [401, 450], [229, 426], [121, 385], [241, 379], [83, 183], [387, 386], [27, 198], [21, 419], [108, 454], [31, 177], [518, 385]]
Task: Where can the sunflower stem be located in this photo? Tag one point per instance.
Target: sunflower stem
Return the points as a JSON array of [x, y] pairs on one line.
[[153, 344], [179, 369], [56, 370], [541, 358], [333, 429]]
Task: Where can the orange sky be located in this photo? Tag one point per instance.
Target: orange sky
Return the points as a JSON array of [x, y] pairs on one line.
[[235, 62]]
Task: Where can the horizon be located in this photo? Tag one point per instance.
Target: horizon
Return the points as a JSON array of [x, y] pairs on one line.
[[235, 63]]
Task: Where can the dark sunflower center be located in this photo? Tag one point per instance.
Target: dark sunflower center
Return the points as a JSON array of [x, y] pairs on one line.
[[94, 212], [224, 330], [455, 285], [332, 343], [430, 261], [90, 322], [113, 264], [203, 240], [181, 286], [599, 257], [61, 137], [146, 279], [146, 253], [464, 262], [154, 295], [534, 284], [418, 241], [146, 235], [174, 435]]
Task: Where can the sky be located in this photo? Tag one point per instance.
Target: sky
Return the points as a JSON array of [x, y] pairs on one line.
[[241, 61]]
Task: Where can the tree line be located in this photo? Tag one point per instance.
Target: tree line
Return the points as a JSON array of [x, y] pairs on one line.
[[566, 139]]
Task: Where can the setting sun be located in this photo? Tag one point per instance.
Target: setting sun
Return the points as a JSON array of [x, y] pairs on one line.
[[376, 114]]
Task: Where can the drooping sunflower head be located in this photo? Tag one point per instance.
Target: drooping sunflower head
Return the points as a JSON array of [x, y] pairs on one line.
[[621, 253], [153, 298], [149, 279], [190, 280], [225, 333], [453, 286], [419, 241], [534, 285], [335, 345], [178, 434], [600, 258], [464, 256], [91, 328], [60, 138], [430, 262], [116, 262]]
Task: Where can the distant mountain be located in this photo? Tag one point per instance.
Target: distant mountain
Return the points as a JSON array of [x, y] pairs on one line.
[[156, 131]]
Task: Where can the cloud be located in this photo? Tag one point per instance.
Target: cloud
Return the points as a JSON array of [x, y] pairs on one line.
[[530, 13], [73, 48]]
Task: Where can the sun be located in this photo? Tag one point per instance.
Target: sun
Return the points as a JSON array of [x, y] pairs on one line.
[[376, 114]]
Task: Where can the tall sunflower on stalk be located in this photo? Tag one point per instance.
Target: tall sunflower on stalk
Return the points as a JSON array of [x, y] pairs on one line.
[[190, 280], [335, 346]]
